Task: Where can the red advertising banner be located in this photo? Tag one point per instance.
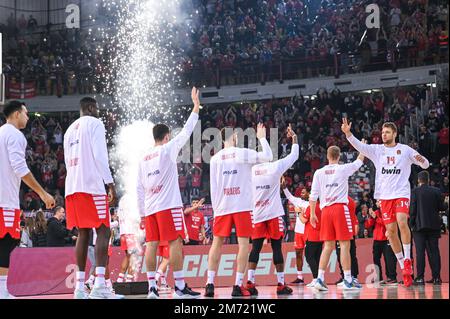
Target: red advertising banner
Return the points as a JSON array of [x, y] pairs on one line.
[[41, 271], [22, 90]]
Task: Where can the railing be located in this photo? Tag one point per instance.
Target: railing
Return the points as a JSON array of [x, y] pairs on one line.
[[281, 68]]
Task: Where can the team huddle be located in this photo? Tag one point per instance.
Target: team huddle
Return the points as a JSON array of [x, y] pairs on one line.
[[245, 193]]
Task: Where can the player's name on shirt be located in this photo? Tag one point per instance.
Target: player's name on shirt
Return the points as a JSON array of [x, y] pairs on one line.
[[229, 191]]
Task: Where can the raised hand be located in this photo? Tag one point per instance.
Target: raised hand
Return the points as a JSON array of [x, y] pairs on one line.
[[260, 131], [346, 127], [195, 96]]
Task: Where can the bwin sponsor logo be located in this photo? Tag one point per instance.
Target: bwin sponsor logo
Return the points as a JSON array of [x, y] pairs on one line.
[[393, 171]]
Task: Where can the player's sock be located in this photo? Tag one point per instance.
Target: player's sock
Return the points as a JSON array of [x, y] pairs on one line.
[[401, 259], [407, 251], [129, 278], [211, 275], [321, 274], [158, 275], [100, 277], [179, 279], [79, 277], [251, 275], [163, 280], [300, 275], [239, 279], [3, 287], [151, 279], [348, 276], [121, 277], [280, 277]]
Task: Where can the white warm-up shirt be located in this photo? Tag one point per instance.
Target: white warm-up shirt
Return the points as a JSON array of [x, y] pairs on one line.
[[297, 202], [393, 167], [330, 183], [12, 165], [266, 187], [231, 176], [157, 185], [86, 157]]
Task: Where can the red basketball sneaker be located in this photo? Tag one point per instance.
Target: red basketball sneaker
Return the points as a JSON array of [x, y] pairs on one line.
[[283, 289], [407, 273], [251, 287], [240, 292]]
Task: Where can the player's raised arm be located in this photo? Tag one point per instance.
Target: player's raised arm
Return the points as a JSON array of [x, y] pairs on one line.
[[367, 150], [418, 159], [178, 141], [266, 154], [298, 202], [285, 163]]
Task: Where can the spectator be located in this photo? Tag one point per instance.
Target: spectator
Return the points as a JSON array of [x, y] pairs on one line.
[[27, 230], [39, 234], [426, 204], [195, 223], [57, 234]]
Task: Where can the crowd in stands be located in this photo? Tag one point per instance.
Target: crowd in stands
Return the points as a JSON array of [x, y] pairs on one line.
[[243, 41]]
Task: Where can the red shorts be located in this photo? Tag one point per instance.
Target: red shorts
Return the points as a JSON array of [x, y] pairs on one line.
[[166, 225], [163, 250], [299, 241], [10, 222], [336, 223], [391, 207], [273, 228], [87, 211], [127, 242], [242, 221]]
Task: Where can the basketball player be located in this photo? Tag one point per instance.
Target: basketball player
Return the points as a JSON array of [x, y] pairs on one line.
[[231, 197], [313, 245], [268, 214], [392, 162], [300, 204], [86, 158], [160, 203], [128, 241], [330, 185], [13, 170]]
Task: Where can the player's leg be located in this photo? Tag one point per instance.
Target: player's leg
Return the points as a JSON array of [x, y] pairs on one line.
[[124, 266], [244, 230], [150, 265], [161, 273], [221, 229], [7, 245], [81, 252], [405, 233], [328, 247], [278, 260], [253, 259], [346, 262], [377, 251], [299, 263], [213, 264], [101, 254], [242, 259]]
